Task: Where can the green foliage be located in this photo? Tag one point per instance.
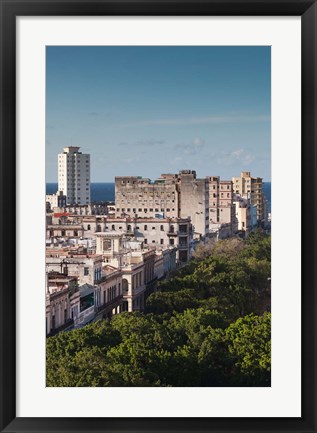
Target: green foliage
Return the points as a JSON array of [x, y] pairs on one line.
[[249, 341], [204, 327]]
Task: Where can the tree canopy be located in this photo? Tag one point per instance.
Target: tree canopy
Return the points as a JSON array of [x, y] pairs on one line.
[[207, 325]]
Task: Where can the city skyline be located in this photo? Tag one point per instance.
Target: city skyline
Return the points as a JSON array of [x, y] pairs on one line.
[[143, 111]]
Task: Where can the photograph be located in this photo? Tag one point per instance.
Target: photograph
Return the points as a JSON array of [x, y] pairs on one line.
[[158, 216]]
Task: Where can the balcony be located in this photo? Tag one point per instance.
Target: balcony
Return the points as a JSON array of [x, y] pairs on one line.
[[172, 233], [109, 305]]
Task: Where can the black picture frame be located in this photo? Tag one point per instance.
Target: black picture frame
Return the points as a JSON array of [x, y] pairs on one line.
[[10, 9]]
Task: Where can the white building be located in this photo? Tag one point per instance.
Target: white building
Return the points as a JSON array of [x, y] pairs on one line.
[[74, 175], [56, 200]]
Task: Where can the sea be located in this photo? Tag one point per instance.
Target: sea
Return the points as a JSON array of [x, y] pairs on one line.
[[102, 192]]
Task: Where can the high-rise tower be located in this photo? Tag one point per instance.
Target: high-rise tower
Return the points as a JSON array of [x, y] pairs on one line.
[[74, 175]]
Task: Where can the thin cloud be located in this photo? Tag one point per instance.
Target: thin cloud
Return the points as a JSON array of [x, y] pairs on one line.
[[199, 120], [238, 155], [195, 147]]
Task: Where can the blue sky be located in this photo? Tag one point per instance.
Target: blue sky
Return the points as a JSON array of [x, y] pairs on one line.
[[151, 110]]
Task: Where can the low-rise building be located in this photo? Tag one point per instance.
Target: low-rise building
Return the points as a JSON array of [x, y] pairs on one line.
[[62, 302], [56, 200], [87, 268], [108, 293]]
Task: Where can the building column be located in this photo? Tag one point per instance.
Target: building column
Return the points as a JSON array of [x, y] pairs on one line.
[[130, 307]]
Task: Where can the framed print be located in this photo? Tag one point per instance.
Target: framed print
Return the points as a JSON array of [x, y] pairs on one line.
[[149, 153]]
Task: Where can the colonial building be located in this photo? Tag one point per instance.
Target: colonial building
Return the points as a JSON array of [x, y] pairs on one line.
[[136, 264], [87, 268], [62, 302], [108, 293]]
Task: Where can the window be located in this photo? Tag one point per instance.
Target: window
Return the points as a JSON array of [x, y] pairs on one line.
[[162, 228], [162, 241], [151, 210], [172, 241], [128, 210], [153, 228], [168, 210], [86, 271], [153, 242], [145, 241], [145, 227]]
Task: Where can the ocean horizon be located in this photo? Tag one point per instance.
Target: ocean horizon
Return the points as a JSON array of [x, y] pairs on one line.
[[105, 191]]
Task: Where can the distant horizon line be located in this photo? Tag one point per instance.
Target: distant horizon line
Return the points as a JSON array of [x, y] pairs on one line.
[[108, 181]]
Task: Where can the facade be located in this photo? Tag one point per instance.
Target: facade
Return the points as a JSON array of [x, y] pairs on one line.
[[243, 213], [156, 233], [87, 209], [64, 230], [221, 207], [56, 200], [74, 176], [137, 267], [194, 202], [87, 268], [62, 302], [179, 195], [251, 187], [108, 293], [139, 197]]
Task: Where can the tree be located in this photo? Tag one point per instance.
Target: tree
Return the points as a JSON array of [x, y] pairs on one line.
[[249, 342]]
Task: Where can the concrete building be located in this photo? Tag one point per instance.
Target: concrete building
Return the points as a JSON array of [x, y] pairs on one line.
[[155, 233], [243, 213], [74, 176], [251, 187], [221, 207], [179, 195], [139, 197], [56, 200]]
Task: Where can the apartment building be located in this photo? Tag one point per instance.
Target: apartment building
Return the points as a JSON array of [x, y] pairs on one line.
[[74, 176], [179, 195], [251, 187], [221, 207]]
